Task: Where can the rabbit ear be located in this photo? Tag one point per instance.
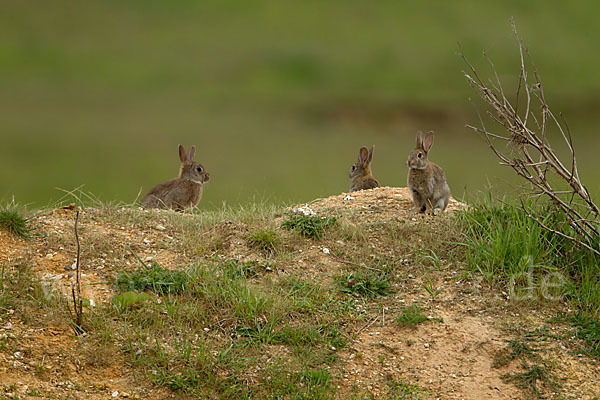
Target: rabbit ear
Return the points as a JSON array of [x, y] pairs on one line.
[[182, 154], [419, 140], [363, 154], [428, 142], [192, 152], [371, 154]]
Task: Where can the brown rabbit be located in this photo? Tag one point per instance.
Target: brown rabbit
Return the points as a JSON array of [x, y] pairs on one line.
[[426, 181], [360, 172], [182, 192]]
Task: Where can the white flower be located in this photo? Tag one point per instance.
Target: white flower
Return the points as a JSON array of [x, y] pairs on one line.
[[305, 210]]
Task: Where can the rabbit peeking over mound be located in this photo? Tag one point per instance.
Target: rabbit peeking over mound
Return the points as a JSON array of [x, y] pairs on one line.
[[360, 172], [426, 181], [182, 192]]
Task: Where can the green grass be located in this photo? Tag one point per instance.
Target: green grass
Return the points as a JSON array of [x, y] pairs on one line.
[[311, 226], [265, 239], [370, 284], [516, 348], [226, 315], [14, 222], [411, 315], [588, 330], [536, 379], [247, 270], [154, 278], [396, 390], [507, 247]]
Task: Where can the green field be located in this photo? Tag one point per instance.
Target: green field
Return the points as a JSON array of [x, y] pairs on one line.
[[276, 96]]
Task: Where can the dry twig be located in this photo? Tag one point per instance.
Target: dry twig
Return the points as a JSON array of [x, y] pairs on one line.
[[77, 300], [523, 145]]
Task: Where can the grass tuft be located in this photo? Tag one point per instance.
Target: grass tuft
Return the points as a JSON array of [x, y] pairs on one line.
[[267, 239], [506, 246], [411, 315], [155, 278], [14, 222], [536, 379], [516, 349], [587, 329], [370, 284], [308, 225]]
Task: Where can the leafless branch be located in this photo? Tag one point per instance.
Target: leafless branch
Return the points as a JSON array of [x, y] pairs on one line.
[[526, 148], [76, 296]]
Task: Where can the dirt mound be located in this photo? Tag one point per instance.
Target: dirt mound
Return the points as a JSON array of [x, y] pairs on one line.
[[450, 356]]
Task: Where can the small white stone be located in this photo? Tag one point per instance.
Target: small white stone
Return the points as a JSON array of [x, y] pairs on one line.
[[115, 394], [326, 250], [159, 227]]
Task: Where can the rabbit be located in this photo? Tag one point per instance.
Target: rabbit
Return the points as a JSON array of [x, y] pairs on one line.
[[182, 192], [426, 181], [360, 172]]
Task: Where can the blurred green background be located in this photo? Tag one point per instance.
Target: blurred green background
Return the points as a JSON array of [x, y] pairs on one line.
[[277, 96]]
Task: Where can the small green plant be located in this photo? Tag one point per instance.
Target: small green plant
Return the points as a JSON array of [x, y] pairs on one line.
[[431, 289], [516, 348], [308, 225], [318, 384], [411, 315], [587, 329], [370, 284], [235, 269], [536, 379], [401, 390], [434, 259], [267, 239], [14, 222], [154, 278], [128, 298]]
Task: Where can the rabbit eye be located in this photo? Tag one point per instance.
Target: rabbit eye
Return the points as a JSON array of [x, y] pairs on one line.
[[420, 155], [353, 167], [199, 169]]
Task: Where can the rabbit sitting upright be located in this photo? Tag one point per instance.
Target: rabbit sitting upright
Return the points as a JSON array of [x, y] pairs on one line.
[[360, 172], [182, 192], [426, 181]]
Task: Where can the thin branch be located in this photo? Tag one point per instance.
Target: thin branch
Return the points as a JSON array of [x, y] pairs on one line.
[[529, 152]]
